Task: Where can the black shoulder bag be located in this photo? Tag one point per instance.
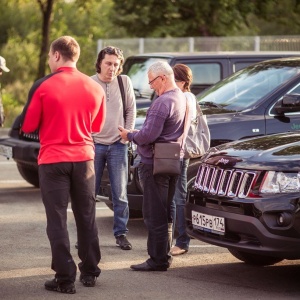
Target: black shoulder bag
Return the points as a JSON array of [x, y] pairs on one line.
[[166, 156]]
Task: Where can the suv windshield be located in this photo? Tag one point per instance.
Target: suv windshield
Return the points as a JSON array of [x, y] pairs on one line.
[[246, 87]]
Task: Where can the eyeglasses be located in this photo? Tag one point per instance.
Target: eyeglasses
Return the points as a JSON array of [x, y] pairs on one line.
[[150, 82]]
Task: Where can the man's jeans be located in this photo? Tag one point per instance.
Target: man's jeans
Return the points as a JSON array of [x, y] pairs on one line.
[[178, 207], [158, 194], [115, 156]]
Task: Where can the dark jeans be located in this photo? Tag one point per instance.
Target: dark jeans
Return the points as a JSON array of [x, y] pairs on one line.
[[58, 183], [178, 208], [158, 193], [115, 157]]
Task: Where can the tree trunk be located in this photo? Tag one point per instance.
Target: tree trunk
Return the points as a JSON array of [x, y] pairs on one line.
[[46, 9]]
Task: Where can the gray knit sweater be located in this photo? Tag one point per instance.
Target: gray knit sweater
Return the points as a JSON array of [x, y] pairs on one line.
[[114, 110]]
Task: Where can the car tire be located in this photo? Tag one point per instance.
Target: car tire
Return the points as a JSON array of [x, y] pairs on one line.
[[135, 214], [29, 173], [254, 259]]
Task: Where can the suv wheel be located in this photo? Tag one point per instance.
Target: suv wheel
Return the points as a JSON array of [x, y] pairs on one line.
[[255, 259], [135, 214], [29, 173]]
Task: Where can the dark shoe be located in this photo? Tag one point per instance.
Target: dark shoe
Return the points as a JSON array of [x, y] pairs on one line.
[[145, 267], [88, 280], [53, 285], [122, 241], [76, 245]]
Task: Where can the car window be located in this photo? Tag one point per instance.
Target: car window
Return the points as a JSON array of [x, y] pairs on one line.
[[137, 70], [246, 87], [241, 65], [295, 90], [205, 73]]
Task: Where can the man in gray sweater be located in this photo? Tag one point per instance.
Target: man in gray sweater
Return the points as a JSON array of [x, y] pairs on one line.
[[110, 149]]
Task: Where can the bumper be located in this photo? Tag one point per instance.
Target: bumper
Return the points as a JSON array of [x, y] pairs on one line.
[[20, 150], [249, 233]]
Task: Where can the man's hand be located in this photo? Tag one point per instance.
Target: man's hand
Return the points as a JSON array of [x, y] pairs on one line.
[[123, 133]]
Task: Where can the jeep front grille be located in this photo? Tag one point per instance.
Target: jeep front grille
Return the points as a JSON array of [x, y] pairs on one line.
[[224, 182]]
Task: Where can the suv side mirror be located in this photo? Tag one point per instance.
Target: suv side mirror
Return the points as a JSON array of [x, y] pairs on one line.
[[289, 103]]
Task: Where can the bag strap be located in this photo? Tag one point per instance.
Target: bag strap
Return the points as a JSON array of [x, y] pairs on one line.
[[121, 86], [185, 122]]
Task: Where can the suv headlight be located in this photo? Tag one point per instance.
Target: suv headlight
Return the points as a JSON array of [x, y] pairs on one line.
[[280, 182]]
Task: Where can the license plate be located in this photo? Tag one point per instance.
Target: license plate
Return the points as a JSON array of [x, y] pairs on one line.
[[208, 223], [6, 151]]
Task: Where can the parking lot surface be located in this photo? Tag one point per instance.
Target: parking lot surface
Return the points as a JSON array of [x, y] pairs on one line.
[[205, 272]]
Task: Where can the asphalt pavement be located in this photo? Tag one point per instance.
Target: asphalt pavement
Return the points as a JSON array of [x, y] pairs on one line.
[[205, 272]]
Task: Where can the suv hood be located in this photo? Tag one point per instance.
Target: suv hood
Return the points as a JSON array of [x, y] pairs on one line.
[[273, 152]]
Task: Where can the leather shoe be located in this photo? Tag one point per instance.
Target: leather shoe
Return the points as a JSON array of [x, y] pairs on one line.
[[177, 251], [123, 243], [64, 287], [88, 280], [145, 267]]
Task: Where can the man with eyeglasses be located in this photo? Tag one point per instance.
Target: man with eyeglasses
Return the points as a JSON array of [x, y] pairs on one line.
[[4, 68], [110, 149], [164, 123]]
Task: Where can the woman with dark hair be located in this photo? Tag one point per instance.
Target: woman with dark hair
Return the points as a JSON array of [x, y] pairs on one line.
[[183, 79]]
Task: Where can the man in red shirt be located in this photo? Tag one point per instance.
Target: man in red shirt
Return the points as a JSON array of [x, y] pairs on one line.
[[66, 107]]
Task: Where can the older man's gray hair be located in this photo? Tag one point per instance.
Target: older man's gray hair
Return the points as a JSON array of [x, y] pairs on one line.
[[161, 68]]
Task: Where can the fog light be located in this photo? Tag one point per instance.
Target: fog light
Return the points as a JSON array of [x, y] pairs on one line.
[[284, 219]]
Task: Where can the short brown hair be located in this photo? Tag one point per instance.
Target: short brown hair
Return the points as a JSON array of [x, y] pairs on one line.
[[183, 73], [67, 47], [111, 51]]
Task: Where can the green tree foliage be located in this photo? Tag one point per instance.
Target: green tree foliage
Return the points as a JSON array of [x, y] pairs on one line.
[[159, 18], [28, 26], [183, 18], [23, 35], [277, 17]]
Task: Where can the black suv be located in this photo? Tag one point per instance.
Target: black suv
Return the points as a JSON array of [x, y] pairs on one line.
[[249, 103], [207, 67], [238, 107], [246, 196]]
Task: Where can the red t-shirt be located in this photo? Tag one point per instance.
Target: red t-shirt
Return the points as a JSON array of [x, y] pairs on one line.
[[66, 107]]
